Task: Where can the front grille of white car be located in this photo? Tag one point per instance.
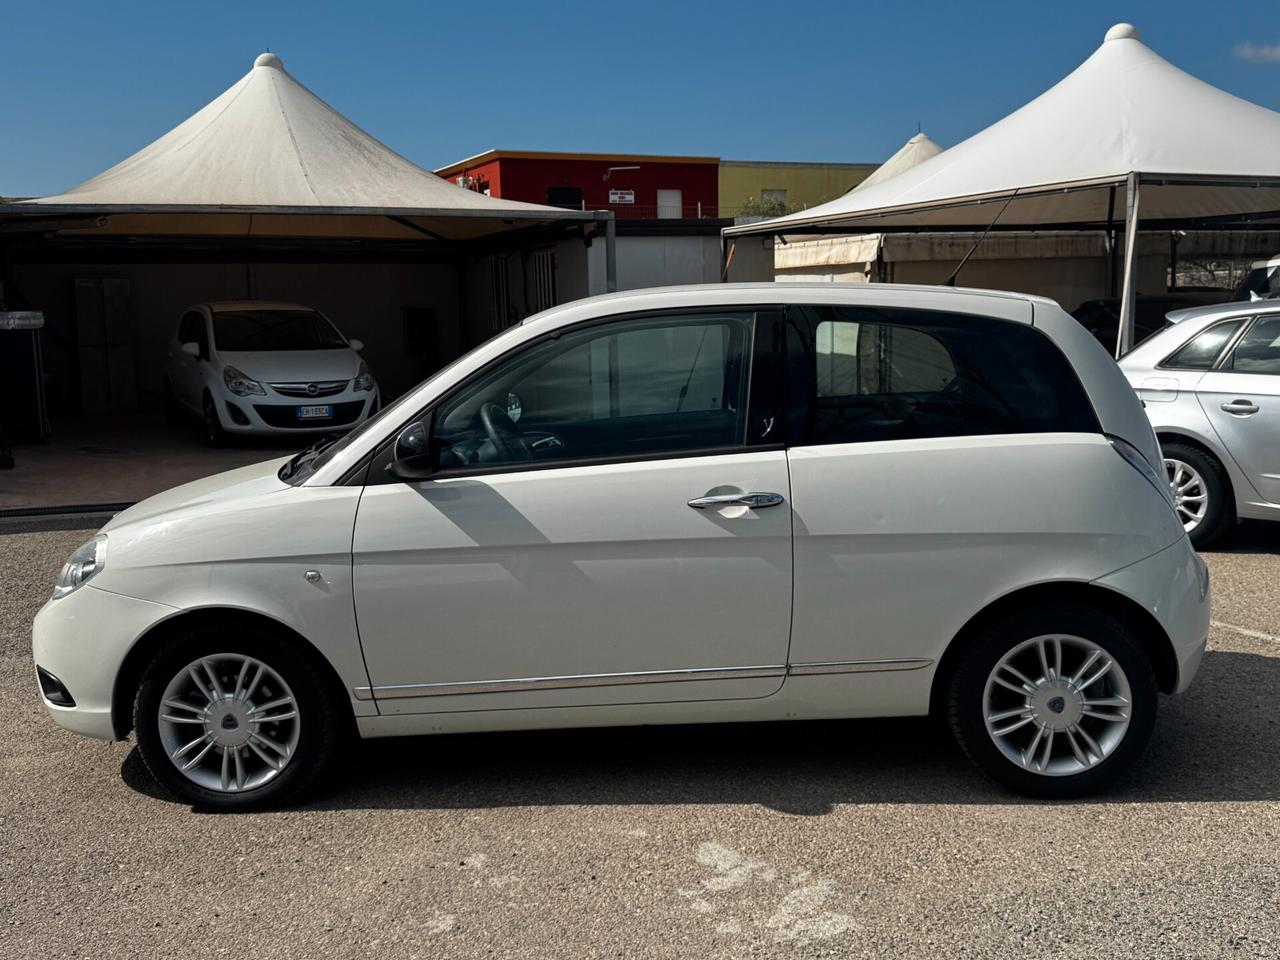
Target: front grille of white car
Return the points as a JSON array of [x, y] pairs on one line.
[[317, 388]]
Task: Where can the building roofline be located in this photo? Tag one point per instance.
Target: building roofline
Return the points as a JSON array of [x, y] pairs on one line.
[[490, 155], [798, 163]]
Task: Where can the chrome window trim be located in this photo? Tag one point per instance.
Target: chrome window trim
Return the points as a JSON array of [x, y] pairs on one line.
[[527, 684]]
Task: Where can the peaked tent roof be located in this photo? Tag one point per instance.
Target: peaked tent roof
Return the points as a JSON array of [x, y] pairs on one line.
[[269, 145], [1125, 109], [914, 152]]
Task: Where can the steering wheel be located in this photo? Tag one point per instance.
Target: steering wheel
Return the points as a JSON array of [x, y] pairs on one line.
[[503, 433]]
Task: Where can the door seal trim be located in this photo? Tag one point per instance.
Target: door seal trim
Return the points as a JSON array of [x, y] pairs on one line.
[[525, 684]]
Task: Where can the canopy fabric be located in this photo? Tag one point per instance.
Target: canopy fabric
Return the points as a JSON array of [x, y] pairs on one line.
[[268, 145], [1200, 152], [914, 152]]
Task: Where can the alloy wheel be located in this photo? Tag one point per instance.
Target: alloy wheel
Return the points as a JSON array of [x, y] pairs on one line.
[[1190, 494], [1057, 704], [229, 723]]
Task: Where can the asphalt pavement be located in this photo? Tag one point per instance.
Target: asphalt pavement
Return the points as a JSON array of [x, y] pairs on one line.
[[846, 839]]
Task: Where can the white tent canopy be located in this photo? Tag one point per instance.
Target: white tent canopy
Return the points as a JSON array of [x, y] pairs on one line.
[[914, 152], [1124, 120], [1124, 110], [269, 146]]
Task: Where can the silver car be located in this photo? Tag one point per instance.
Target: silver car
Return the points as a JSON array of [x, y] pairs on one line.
[[1211, 385]]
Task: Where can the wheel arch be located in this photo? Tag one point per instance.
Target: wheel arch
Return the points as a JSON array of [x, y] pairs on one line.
[[1140, 622], [135, 662]]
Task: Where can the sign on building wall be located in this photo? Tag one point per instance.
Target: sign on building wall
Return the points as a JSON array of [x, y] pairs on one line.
[[622, 196]]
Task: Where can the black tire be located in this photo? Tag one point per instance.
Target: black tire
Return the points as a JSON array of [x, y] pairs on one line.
[[965, 699], [1220, 512], [214, 435], [321, 720]]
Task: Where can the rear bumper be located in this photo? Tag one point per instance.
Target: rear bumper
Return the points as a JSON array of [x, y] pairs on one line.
[[1173, 586], [82, 640]]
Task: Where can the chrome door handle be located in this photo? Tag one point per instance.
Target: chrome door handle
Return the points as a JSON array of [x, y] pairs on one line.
[[754, 500], [1241, 407]]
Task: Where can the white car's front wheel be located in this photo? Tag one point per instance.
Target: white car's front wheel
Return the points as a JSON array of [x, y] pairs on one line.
[[232, 717]]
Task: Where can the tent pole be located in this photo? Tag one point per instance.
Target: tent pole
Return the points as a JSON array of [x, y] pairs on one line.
[[1128, 298], [611, 254], [1109, 243]]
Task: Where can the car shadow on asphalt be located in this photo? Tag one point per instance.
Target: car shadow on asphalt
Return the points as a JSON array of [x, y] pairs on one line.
[[1219, 741], [1251, 536]]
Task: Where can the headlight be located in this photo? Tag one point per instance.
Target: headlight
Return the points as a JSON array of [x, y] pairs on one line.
[[82, 566], [364, 379], [239, 384]]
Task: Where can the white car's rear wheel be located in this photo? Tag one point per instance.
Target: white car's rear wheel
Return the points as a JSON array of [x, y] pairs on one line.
[[1054, 700]]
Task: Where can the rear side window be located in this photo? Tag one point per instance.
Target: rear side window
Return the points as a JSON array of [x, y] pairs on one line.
[[1258, 350], [1202, 350], [889, 374]]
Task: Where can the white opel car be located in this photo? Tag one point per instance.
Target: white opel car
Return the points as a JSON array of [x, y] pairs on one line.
[[1211, 384], [256, 367], [721, 503]]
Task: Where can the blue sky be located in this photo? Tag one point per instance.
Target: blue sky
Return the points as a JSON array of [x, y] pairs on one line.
[[84, 85]]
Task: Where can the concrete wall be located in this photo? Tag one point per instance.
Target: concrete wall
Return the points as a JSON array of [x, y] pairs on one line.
[[807, 184]]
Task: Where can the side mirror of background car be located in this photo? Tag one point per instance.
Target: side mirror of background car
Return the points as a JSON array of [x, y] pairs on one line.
[[191, 349], [356, 345]]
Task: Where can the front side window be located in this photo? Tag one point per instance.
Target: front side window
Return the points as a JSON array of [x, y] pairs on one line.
[[1201, 351], [892, 374], [1258, 350], [245, 330], [625, 388]]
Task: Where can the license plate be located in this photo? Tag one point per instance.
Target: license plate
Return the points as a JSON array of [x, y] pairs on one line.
[[319, 412]]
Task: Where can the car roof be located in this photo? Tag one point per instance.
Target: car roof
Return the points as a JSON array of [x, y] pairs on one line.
[[1232, 309], [998, 303]]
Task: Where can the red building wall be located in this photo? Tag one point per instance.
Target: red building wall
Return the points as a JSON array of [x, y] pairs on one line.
[[524, 177]]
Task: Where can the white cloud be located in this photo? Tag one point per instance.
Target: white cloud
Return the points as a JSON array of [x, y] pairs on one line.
[[1258, 52]]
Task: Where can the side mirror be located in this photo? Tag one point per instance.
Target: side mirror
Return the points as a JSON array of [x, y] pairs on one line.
[[412, 459], [191, 349], [412, 469], [356, 345]]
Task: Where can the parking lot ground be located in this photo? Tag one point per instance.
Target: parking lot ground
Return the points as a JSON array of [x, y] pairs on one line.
[[849, 839]]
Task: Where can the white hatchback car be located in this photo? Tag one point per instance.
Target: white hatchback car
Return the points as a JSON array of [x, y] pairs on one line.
[[732, 502], [258, 367], [1211, 385]]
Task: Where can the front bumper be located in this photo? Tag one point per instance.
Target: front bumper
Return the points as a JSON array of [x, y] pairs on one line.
[[277, 414], [82, 640], [1173, 586]]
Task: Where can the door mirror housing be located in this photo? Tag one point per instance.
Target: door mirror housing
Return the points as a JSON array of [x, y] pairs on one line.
[[412, 469], [356, 345], [191, 349]]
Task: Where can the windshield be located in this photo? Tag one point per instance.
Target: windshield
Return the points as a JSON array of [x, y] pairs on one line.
[[252, 330]]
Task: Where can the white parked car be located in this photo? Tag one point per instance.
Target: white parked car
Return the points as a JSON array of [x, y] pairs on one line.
[[731, 502], [1211, 385], [256, 367]]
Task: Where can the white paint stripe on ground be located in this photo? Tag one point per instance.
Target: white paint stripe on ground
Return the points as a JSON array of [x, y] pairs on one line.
[[1244, 631]]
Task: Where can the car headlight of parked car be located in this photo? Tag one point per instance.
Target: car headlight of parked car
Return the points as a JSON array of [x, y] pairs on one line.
[[82, 566], [364, 379], [239, 384]]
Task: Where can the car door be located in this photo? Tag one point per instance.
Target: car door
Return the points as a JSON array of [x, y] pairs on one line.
[[1241, 398], [608, 523]]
